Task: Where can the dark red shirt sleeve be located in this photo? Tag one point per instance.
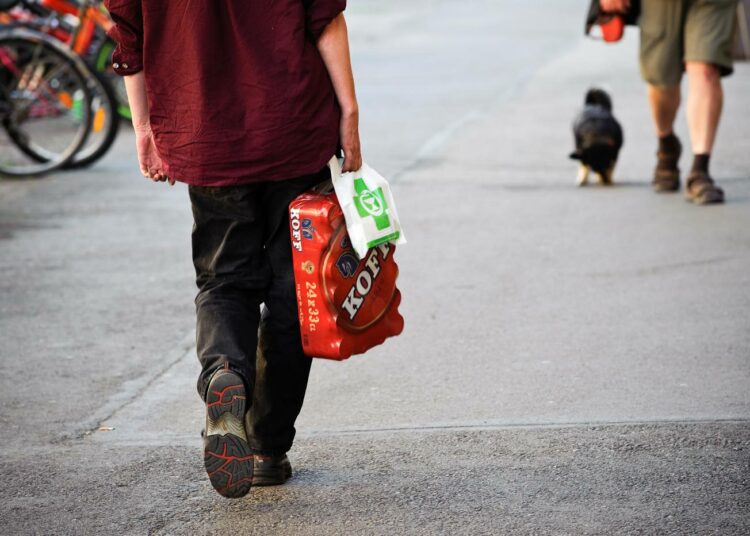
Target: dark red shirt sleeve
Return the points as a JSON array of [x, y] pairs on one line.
[[320, 13], [128, 34]]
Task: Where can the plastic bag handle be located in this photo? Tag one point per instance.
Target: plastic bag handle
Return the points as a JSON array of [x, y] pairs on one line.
[[335, 165]]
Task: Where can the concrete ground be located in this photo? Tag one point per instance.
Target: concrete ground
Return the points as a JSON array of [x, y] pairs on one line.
[[575, 361]]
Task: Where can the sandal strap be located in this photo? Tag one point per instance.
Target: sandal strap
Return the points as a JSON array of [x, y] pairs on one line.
[[700, 183], [666, 175]]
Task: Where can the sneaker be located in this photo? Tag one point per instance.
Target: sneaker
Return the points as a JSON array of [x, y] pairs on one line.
[[226, 454], [701, 189], [271, 470], [667, 173]]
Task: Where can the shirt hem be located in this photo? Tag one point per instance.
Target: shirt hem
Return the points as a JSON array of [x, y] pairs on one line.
[[252, 178]]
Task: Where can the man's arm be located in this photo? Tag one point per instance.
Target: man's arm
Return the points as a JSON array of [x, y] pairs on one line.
[[127, 61], [151, 163], [333, 45]]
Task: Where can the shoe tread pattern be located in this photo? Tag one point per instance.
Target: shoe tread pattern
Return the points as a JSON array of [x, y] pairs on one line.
[[227, 456]]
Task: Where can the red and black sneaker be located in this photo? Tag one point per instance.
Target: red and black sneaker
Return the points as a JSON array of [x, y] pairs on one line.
[[226, 454]]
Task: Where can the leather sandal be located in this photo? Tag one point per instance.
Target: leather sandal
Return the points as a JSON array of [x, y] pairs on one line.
[[667, 172], [702, 190]]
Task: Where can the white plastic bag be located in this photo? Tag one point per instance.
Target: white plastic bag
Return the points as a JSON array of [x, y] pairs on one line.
[[368, 206]]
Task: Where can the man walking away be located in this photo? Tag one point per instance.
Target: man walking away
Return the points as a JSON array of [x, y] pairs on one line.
[[692, 36], [245, 101]]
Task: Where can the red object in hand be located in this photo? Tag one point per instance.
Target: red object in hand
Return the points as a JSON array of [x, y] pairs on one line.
[[346, 305], [612, 28]]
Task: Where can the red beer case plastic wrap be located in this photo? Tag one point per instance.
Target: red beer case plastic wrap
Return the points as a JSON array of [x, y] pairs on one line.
[[346, 306]]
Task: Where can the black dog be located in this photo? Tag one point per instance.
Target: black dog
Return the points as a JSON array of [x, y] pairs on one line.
[[598, 138]]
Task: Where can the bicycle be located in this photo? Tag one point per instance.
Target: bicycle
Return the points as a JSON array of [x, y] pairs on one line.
[[91, 41], [45, 103], [52, 17]]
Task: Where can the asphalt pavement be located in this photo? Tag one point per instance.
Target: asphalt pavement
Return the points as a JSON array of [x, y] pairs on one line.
[[575, 361]]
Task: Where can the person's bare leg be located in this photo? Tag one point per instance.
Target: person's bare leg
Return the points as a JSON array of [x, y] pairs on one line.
[[705, 101], [665, 101], [704, 104]]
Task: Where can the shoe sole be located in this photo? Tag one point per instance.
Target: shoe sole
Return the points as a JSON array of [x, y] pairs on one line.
[[273, 477], [226, 454]]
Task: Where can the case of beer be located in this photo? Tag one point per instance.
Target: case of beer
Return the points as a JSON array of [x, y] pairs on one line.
[[346, 305]]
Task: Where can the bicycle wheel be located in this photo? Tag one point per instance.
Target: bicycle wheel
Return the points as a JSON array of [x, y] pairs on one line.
[[105, 123], [46, 104]]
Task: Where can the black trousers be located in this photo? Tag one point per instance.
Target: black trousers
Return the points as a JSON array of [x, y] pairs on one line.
[[243, 258]]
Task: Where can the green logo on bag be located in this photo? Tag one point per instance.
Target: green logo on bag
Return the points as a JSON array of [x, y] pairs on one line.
[[371, 203]]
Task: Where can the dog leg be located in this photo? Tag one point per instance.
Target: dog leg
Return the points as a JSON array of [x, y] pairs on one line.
[[583, 175], [605, 178]]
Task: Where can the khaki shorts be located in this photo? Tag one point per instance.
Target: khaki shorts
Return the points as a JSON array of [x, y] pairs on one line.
[[676, 31]]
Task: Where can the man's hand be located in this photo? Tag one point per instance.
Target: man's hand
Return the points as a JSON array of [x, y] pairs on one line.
[[614, 6], [349, 133], [151, 163]]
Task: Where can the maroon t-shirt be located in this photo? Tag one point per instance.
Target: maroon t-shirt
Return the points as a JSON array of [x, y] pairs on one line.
[[237, 89]]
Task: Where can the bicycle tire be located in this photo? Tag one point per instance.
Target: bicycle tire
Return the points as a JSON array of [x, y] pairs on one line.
[[90, 152], [44, 47], [94, 147]]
